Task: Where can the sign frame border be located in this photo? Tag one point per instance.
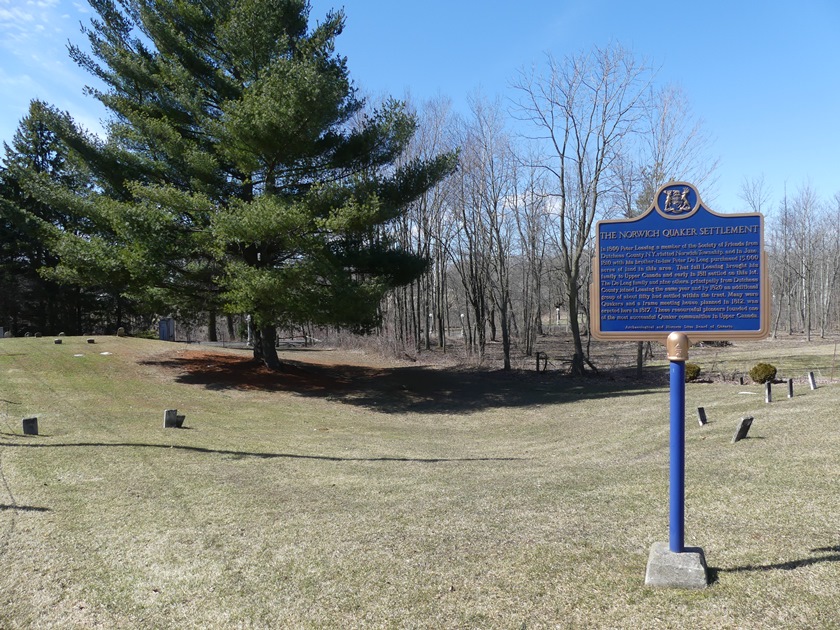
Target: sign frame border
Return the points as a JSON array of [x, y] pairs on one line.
[[661, 335]]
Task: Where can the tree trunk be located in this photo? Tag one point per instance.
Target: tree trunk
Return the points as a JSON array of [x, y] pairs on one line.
[[428, 322], [505, 326], [212, 333], [640, 357], [415, 323], [470, 341], [119, 313], [492, 322], [578, 366], [264, 347]]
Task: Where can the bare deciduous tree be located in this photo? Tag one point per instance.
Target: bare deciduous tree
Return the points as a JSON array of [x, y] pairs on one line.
[[582, 109], [674, 145], [531, 224], [756, 194], [418, 312], [671, 145], [482, 254], [493, 161]]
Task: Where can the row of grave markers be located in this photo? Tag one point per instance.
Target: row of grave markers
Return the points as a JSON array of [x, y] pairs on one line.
[[8, 334], [746, 422], [740, 433], [171, 420], [768, 387]]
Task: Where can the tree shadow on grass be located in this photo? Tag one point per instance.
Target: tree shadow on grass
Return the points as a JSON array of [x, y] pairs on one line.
[[24, 508], [826, 549], [403, 389], [791, 565], [246, 454]]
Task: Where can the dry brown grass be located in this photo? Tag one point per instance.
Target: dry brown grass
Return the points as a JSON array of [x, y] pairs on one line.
[[345, 492]]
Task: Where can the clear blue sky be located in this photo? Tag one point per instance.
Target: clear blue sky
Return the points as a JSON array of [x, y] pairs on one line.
[[762, 76]]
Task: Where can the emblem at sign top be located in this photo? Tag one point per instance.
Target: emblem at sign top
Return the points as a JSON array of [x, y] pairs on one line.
[[677, 200]]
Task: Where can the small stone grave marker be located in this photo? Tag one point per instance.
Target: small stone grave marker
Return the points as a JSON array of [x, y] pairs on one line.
[[30, 426], [768, 392], [790, 388], [171, 419], [812, 381], [701, 416], [743, 429], [57, 341], [120, 332], [91, 340]]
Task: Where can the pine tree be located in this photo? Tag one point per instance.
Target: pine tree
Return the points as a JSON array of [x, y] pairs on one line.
[[30, 227], [241, 171]]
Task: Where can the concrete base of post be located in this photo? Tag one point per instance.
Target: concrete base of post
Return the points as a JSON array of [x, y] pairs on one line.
[[668, 569]]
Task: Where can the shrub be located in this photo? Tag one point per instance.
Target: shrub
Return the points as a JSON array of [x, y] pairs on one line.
[[146, 334], [692, 372], [763, 373]]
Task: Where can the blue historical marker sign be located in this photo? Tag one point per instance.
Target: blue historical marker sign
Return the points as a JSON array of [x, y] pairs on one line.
[[680, 267]]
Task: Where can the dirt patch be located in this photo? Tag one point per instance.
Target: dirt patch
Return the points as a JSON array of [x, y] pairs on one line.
[[218, 370], [395, 388], [434, 382]]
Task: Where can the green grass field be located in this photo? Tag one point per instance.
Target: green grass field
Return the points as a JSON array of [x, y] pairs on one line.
[[360, 496]]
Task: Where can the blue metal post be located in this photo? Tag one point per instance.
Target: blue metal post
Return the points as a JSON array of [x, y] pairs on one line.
[[677, 485]]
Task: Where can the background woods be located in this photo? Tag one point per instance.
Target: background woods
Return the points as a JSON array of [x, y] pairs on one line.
[[253, 182]]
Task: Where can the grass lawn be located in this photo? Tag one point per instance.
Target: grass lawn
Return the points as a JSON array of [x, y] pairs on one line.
[[342, 493]]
